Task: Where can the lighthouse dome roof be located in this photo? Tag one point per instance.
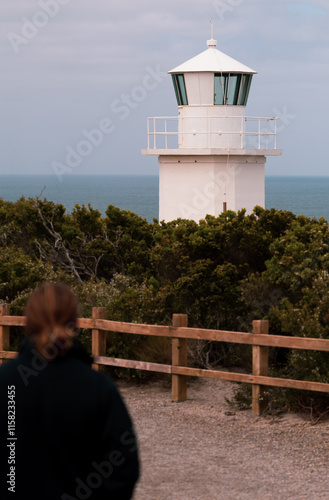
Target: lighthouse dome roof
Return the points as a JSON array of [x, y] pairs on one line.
[[212, 60]]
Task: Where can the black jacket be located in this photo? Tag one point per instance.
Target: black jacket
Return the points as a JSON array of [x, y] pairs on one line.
[[65, 432]]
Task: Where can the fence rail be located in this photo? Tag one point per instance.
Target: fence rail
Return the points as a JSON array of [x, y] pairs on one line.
[[179, 332]]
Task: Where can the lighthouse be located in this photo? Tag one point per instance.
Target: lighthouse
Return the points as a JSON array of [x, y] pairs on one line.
[[211, 156]]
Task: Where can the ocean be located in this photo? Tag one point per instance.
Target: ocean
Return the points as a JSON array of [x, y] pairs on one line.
[[307, 196]]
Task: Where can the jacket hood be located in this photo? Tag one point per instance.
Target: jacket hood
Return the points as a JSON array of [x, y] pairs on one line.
[[77, 351]]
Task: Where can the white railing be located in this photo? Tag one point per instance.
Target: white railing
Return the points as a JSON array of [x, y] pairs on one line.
[[152, 131], [163, 132]]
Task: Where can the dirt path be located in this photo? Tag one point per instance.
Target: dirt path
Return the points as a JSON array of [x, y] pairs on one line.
[[199, 450]]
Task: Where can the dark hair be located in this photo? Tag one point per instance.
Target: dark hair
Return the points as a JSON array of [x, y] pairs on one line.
[[51, 318]]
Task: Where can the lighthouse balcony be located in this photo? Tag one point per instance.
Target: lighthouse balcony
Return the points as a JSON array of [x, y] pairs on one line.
[[219, 135]]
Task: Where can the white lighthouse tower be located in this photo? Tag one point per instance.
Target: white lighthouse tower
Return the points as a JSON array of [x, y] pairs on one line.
[[211, 157]]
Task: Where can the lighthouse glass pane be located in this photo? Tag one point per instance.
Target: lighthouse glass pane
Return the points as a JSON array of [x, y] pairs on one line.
[[244, 90], [176, 89], [182, 89], [220, 89], [233, 89]]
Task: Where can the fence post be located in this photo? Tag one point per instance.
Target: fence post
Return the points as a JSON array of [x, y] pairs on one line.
[[179, 358], [98, 339], [259, 367], [4, 330]]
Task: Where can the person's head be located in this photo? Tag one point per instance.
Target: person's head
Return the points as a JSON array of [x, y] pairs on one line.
[[51, 319]]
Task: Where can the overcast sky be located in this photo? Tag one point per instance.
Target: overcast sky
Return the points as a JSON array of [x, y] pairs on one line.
[[70, 67]]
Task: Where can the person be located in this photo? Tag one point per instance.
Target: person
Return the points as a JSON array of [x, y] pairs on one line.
[[65, 431]]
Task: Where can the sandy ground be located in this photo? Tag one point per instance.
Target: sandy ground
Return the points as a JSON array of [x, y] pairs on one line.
[[201, 449]]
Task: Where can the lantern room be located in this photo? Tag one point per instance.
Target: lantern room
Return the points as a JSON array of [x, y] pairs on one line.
[[212, 91], [212, 78]]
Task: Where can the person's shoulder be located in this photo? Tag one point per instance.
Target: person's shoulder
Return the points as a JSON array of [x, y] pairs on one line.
[[9, 365], [102, 379], [81, 358], [106, 387], [9, 372]]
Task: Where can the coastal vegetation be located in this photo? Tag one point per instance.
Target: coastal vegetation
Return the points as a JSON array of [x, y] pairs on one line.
[[223, 272]]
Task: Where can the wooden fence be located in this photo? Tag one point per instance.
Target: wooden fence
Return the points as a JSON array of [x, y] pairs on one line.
[[259, 339]]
